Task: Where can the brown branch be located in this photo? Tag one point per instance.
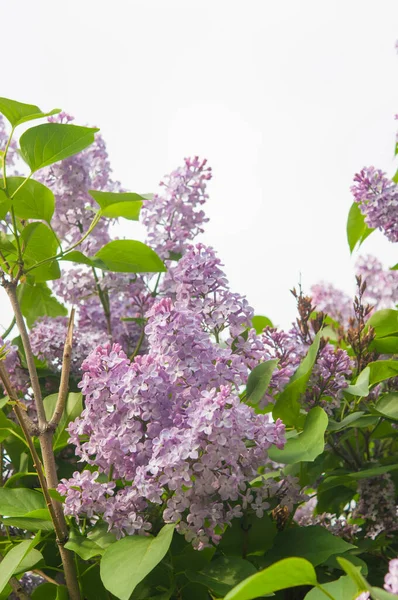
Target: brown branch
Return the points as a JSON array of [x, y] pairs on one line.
[[64, 383]]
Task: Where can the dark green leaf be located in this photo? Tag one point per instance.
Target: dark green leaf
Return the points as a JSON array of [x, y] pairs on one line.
[[308, 444], [357, 230], [222, 574], [126, 562], [37, 301], [256, 535], [258, 381], [287, 406], [46, 144], [259, 323], [388, 406], [18, 112], [130, 256], [287, 573], [33, 201]]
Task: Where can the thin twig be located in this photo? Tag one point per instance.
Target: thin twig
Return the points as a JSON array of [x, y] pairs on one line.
[[64, 383]]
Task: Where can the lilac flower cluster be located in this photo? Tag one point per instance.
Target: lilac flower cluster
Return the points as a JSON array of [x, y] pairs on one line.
[[381, 284], [170, 423], [377, 198], [376, 505], [328, 379], [174, 217], [18, 375], [332, 301], [70, 180], [338, 525]]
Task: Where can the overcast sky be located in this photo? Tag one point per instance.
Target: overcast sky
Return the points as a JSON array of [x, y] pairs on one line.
[[287, 100]]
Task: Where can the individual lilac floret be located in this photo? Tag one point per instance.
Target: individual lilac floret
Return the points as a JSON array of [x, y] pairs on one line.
[[391, 579], [333, 302], [84, 494], [70, 180], [377, 197], [381, 284], [174, 217], [328, 379], [377, 505]]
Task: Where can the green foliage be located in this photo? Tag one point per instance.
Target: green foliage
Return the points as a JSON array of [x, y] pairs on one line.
[[126, 562], [37, 301], [18, 112], [357, 230], [9, 565], [222, 574], [46, 144], [129, 256], [122, 204], [32, 200], [258, 381], [259, 323], [73, 408]]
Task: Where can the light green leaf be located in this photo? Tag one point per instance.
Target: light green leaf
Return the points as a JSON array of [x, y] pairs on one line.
[[78, 257], [222, 574], [357, 230], [13, 559], [46, 144], [33, 201], [83, 547], [130, 256], [342, 589], [388, 406], [259, 323], [287, 573], [73, 408], [381, 370], [361, 386], [35, 520], [18, 112], [37, 301], [29, 562], [287, 406], [18, 502], [119, 204], [39, 242], [384, 322], [126, 562], [5, 204], [348, 421], [307, 445], [258, 381]]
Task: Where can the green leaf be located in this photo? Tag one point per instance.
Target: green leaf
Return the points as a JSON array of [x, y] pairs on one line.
[[18, 502], [13, 559], [258, 381], [83, 547], [126, 562], [361, 386], [37, 301], [287, 406], [337, 480], [307, 445], [357, 230], [18, 112], [101, 536], [354, 573], [342, 589], [381, 370], [384, 322], [222, 574], [119, 204], [73, 408], [39, 242], [130, 256], [5, 204], [48, 591], [260, 323], [33, 201], [256, 534], [46, 144], [78, 257], [348, 421], [287, 573], [29, 562], [35, 520], [388, 406], [5, 426], [314, 543]]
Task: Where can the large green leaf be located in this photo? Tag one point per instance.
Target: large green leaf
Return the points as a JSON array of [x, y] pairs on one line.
[[18, 112], [357, 230], [384, 322], [83, 547], [33, 558], [342, 589], [18, 502], [46, 144], [130, 256], [39, 242], [13, 559], [381, 370], [73, 408], [222, 574], [126, 562], [33, 201], [258, 381], [37, 301], [308, 444], [259, 323], [255, 536], [388, 406], [35, 520], [287, 406], [119, 204], [348, 421], [337, 480], [314, 543], [361, 386], [287, 573]]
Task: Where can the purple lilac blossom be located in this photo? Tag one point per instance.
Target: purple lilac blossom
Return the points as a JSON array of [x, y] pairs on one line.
[[338, 525], [391, 579], [332, 301], [70, 180], [328, 379], [174, 217], [381, 284], [170, 424], [377, 505], [18, 375], [377, 198]]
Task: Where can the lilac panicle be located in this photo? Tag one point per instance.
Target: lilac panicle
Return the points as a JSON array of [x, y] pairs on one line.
[[174, 217], [377, 198], [391, 579], [377, 505], [381, 284], [333, 302]]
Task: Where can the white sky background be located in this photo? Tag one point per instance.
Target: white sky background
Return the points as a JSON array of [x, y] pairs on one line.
[[287, 100]]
